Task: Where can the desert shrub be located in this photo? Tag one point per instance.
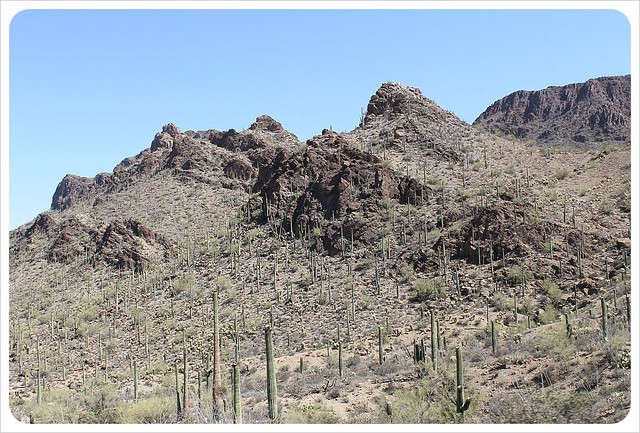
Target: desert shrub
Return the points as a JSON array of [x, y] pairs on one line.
[[606, 208], [154, 410], [623, 198], [384, 369], [552, 290], [313, 413], [283, 373], [514, 275], [428, 402], [502, 301], [546, 406], [549, 315], [365, 302], [365, 264], [617, 350], [353, 361], [605, 149], [528, 305], [405, 270], [59, 405], [433, 180], [429, 289], [561, 174]]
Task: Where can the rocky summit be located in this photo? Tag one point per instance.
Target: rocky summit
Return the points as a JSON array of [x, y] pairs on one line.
[[582, 114], [416, 269]]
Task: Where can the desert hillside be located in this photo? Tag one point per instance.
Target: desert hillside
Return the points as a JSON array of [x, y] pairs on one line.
[[357, 277]]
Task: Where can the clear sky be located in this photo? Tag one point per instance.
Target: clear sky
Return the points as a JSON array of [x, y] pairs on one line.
[[91, 87]]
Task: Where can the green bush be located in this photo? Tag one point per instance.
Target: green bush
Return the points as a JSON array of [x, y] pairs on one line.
[[514, 275], [606, 208], [552, 291], [549, 315], [502, 301], [429, 289], [561, 174], [427, 403], [153, 410], [405, 270], [313, 413], [546, 406]]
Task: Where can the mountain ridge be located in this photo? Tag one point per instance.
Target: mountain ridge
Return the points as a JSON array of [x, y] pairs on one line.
[[578, 114]]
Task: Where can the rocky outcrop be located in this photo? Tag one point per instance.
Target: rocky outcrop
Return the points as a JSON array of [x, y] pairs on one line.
[[399, 116], [267, 124], [43, 224], [198, 155], [331, 186], [71, 190], [124, 244], [73, 239], [129, 244], [239, 168], [502, 228], [576, 114]]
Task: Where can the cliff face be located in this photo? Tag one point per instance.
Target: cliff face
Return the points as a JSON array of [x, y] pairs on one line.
[[583, 114]]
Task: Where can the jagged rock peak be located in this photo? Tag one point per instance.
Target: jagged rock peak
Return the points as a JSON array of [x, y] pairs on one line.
[[71, 189], [171, 129], [266, 123], [393, 97]]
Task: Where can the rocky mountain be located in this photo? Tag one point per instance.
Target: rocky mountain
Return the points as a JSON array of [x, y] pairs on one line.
[[581, 114], [137, 294]]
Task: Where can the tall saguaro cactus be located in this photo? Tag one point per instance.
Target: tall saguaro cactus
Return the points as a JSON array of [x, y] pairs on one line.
[[380, 346], [462, 405], [272, 389], [135, 379], [185, 376], [494, 343], [434, 351], [178, 405], [217, 378], [605, 323], [237, 401]]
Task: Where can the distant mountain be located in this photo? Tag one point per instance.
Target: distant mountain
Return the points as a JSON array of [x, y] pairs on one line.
[[582, 114]]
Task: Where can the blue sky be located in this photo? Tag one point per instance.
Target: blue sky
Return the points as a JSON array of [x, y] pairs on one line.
[[91, 87]]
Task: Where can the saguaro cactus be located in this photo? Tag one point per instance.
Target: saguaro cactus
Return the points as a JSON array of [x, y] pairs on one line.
[[272, 389], [462, 405], [38, 387], [605, 324], [185, 376], [494, 343], [135, 379], [178, 405], [380, 346], [237, 401], [434, 343], [340, 369], [568, 325], [628, 299], [217, 379], [418, 351]]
